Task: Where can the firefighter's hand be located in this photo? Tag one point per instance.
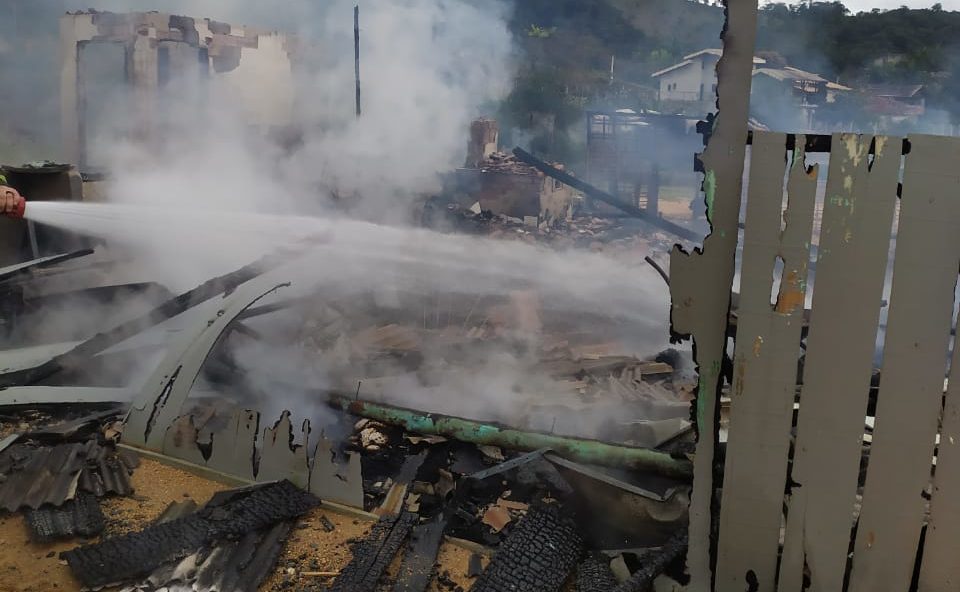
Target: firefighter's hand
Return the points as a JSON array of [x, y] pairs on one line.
[[9, 198]]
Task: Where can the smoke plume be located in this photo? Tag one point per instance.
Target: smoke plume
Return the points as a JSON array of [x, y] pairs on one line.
[[213, 193]]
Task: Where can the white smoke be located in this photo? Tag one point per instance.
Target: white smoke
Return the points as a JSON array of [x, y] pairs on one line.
[[212, 193]]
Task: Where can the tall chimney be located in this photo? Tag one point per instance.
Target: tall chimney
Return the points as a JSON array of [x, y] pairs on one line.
[[484, 134]]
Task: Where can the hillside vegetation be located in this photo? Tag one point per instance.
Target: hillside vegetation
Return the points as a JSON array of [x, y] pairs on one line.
[[568, 46]]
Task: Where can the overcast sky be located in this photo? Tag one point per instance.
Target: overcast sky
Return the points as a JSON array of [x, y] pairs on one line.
[[861, 5]]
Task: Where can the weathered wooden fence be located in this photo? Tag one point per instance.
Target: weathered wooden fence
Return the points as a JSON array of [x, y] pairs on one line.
[[794, 503]]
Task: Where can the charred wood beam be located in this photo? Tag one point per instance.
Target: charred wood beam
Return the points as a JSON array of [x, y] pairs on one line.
[[605, 197], [419, 562], [482, 433], [28, 266], [594, 575], [228, 515], [80, 354], [656, 563], [537, 556], [100, 293], [356, 54], [374, 554]]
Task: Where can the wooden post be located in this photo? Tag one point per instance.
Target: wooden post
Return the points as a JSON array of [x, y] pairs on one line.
[[356, 52], [653, 192]]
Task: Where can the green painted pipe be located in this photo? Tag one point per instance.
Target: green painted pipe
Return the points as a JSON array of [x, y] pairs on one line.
[[586, 451]]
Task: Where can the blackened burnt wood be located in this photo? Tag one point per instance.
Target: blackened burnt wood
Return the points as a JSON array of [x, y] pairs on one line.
[[241, 566], [537, 556], [80, 516], [374, 553], [420, 560], [136, 554], [655, 563], [594, 575]]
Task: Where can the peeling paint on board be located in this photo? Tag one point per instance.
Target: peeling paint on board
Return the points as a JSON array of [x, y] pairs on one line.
[[765, 358], [701, 280], [709, 192]]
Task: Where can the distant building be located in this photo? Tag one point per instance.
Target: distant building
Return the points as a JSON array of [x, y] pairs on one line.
[[501, 184], [788, 96], [113, 63], [691, 85], [627, 152], [805, 87], [896, 100], [782, 93]]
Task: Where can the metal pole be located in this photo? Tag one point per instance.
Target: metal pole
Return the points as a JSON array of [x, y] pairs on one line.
[[356, 52], [477, 432]]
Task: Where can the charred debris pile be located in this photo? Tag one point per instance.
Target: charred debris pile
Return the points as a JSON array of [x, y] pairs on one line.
[[572, 471], [532, 521]]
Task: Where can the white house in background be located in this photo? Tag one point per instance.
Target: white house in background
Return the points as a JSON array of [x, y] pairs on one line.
[[693, 80]]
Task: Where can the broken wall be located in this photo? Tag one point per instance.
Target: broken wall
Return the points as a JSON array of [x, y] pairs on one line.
[[254, 68], [556, 201], [522, 194]]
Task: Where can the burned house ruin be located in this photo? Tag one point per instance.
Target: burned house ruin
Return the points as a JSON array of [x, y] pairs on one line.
[[503, 185], [394, 396], [117, 67]]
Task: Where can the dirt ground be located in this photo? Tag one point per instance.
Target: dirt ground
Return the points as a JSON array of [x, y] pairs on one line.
[[678, 210], [30, 567]]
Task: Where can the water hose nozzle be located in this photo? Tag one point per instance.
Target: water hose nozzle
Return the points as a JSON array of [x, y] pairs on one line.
[[19, 207]]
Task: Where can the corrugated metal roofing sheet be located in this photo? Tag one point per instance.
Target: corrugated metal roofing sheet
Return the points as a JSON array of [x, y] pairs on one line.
[[33, 475]]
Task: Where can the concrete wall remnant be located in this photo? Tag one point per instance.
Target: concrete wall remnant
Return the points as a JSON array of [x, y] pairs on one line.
[[505, 185], [255, 66], [522, 193]]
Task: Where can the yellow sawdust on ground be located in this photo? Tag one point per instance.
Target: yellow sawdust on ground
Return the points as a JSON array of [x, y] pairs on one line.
[[453, 562], [310, 548], [30, 567], [155, 485]]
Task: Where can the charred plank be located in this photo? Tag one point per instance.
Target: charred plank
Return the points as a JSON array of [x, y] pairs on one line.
[[642, 579], [537, 556], [420, 560], [594, 575], [80, 516], [373, 554], [136, 554]]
